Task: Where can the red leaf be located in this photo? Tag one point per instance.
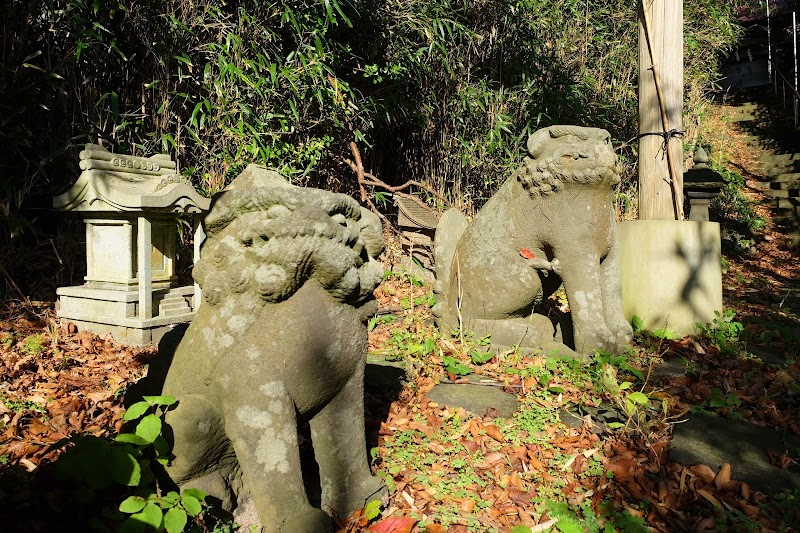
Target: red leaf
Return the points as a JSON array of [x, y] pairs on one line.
[[527, 254], [394, 524]]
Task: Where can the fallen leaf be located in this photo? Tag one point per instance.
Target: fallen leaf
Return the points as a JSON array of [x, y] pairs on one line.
[[723, 477], [708, 496], [704, 472], [394, 524], [494, 432], [527, 254]]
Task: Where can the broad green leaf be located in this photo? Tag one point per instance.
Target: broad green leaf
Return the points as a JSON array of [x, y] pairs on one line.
[[132, 504], [135, 411], [638, 397], [161, 446], [372, 509], [480, 358], [171, 499], [625, 385], [149, 428], [195, 493], [150, 515], [637, 323], [175, 520], [569, 526], [521, 529], [132, 525], [124, 468], [191, 504], [160, 400], [130, 438]]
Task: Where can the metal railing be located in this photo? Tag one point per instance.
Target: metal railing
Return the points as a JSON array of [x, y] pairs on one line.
[[788, 90]]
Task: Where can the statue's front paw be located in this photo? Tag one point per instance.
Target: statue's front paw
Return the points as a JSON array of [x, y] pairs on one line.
[[305, 521], [357, 496], [623, 335]]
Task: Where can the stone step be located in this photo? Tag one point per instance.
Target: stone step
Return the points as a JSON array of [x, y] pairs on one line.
[[785, 215], [772, 157], [786, 177], [782, 193], [779, 185], [786, 203], [780, 169], [172, 306], [786, 221]]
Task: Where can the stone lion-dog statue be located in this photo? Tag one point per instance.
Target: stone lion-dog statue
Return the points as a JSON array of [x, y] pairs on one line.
[[287, 275], [553, 221]]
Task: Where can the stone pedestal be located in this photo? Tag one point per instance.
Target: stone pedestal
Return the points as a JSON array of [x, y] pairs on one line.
[[130, 206], [671, 273]]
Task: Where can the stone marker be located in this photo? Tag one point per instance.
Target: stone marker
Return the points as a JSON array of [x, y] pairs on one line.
[[130, 206], [553, 220], [287, 274], [476, 399], [714, 441]]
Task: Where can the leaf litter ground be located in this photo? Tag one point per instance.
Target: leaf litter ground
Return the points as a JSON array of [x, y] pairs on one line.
[[452, 471]]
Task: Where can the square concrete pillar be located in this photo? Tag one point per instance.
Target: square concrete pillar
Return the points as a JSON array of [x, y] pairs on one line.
[[671, 273]]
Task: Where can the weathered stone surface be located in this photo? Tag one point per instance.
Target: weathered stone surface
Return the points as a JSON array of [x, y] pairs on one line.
[[287, 275], [476, 399], [714, 441], [557, 209]]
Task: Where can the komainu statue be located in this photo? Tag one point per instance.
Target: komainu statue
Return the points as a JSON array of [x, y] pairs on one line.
[[552, 221], [287, 274]]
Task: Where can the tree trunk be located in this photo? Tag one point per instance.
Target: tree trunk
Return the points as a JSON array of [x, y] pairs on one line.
[[660, 109]]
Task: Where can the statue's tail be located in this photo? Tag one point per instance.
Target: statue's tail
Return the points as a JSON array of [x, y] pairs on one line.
[[448, 232]]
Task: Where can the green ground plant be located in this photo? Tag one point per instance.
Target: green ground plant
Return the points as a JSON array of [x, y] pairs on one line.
[[33, 344], [135, 460], [723, 331]]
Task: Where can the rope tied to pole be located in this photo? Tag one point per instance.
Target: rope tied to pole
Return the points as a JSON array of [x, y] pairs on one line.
[[666, 135]]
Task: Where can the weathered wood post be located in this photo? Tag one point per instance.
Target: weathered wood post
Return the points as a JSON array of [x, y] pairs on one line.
[[660, 109]]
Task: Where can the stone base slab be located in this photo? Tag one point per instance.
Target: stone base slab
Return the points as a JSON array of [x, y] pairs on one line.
[[671, 273], [103, 311]]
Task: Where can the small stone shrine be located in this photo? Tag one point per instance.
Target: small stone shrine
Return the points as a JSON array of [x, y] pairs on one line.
[[417, 224], [701, 184], [130, 206]]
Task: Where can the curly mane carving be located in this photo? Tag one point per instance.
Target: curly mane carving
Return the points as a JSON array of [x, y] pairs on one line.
[[544, 172], [273, 238]]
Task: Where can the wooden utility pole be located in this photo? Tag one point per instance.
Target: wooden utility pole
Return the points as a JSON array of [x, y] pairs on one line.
[[660, 109]]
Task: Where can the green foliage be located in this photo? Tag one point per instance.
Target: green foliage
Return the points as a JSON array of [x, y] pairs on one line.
[[440, 91], [480, 358], [372, 510], [131, 461], [719, 399], [723, 331], [454, 366], [377, 320], [742, 223], [22, 405], [637, 323], [33, 344]]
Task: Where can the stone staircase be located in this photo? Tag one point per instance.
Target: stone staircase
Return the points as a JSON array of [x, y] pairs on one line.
[[773, 135], [173, 305]]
